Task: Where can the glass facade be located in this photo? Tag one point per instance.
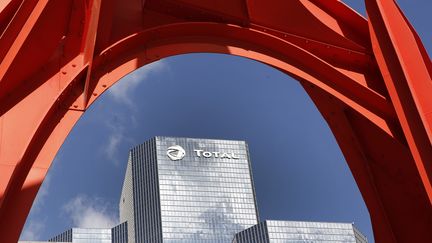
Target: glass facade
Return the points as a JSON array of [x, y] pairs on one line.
[[63, 237], [271, 231], [84, 235], [119, 233], [188, 190], [33, 241]]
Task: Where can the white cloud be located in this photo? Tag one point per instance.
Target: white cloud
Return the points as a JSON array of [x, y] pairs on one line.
[[116, 137], [111, 149], [88, 212], [33, 230], [42, 194], [121, 91]]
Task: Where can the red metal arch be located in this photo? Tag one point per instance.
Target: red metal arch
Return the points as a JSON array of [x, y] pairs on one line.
[[51, 71]]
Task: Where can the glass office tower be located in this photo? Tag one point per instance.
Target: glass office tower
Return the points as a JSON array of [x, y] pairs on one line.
[[188, 190], [84, 235], [198, 190], [272, 231]]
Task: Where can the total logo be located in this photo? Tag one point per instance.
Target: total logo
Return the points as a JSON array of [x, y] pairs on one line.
[[176, 152], [206, 154]]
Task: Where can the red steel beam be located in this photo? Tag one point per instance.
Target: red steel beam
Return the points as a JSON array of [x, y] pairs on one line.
[[18, 33], [407, 72], [88, 45], [382, 126]]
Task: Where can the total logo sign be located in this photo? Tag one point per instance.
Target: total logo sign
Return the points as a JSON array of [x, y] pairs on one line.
[[176, 152]]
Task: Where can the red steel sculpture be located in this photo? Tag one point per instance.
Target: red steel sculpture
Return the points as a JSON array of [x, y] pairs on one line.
[[369, 78]]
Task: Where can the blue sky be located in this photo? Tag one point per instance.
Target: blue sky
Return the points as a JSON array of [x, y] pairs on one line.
[[299, 171]]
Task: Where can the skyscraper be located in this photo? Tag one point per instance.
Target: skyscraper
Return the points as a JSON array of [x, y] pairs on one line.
[[198, 190], [188, 190]]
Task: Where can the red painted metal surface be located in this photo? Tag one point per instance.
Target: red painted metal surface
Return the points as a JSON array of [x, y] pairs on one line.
[[370, 79]]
